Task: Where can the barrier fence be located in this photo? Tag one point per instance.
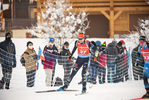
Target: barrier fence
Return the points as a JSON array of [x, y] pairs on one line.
[[108, 68]]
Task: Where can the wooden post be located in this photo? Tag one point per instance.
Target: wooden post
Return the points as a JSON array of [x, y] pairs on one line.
[[111, 24], [39, 11], [111, 19]]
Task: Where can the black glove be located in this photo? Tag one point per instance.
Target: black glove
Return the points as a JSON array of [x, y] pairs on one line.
[[34, 57], [69, 58]]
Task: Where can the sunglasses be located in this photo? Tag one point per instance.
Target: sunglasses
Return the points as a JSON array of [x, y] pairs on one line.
[[141, 42], [80, 38]]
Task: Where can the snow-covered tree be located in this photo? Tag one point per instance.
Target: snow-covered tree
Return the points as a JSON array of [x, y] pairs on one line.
[[59, 22], [142, 30]]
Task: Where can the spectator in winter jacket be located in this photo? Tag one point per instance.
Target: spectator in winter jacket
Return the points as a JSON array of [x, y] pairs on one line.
[[63, 60], [119, 62], [102, 65], [112, 54], [94, 62], [7, 59], [30, 57], [49, 63], [136, 75], [55, 52], [101, 58], [126, 60]]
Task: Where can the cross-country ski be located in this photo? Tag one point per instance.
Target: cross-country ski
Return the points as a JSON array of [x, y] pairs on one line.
[[55, 91]]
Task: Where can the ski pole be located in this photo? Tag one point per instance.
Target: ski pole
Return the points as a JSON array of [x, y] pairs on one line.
[[99, 63]]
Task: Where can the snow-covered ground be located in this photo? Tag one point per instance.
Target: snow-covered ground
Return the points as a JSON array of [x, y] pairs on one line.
[[19, 91]]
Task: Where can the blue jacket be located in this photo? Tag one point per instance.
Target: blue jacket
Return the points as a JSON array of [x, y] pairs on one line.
[[55, 51]]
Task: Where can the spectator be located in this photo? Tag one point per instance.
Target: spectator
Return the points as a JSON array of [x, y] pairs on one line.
[[125, 60], [30, 57], [67, 64], [137, 76], [94, 62], [49, 63], [119, 62], [102, 65], [8, 61], [112, 54], [55, 52]]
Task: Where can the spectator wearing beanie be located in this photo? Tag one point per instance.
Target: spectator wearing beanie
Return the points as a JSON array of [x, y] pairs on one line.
[[55, 52], [49, 62], [102, 58], [119, 65], [7, 47], [125, 60], [112, 54], [94, 62], [63, 60]]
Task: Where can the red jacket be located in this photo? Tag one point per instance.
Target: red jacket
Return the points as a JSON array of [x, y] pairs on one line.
[[49, 60], [103, 60]]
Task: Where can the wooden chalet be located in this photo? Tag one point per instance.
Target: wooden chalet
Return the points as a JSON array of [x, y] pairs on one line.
[[108, 17]]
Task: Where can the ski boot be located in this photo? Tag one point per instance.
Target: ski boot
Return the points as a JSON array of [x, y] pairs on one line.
[[63, 88], [7, 86], [84, 89]]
